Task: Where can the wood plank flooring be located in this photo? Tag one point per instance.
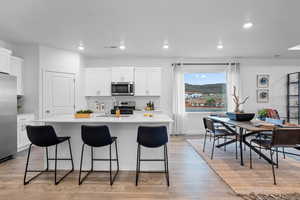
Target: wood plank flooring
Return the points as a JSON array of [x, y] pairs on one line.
[[190, 178], [257, 180]]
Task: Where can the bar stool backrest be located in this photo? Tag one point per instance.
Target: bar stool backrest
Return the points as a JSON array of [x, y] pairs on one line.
[[210, 125], [96, 136], [152, 136], [42, 136], [286, 137]]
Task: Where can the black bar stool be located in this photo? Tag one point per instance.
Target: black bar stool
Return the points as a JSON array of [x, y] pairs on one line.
[[98, 136], [152, 137], [45, 136]]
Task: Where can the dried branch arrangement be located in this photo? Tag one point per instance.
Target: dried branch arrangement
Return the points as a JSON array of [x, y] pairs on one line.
[[236, 100]]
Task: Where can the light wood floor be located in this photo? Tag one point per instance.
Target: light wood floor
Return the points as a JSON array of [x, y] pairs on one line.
[[257, 180], [190, 178]]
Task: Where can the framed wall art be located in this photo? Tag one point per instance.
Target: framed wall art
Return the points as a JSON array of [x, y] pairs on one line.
[[262, 95], [263, 80]]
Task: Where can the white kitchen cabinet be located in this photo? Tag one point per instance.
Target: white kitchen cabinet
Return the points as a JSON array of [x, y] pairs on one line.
[[122, 74], [23, 121], [98, 82], [16, 70], [147, 81], [5, 60], [154, 81]]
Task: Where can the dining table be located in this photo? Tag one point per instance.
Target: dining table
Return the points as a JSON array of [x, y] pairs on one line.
[[244, 130]]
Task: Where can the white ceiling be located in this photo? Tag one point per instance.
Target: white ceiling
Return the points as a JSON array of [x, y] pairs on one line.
[[193, 28]]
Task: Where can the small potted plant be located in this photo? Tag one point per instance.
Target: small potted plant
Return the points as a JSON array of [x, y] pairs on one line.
[[262, 114], [83, 114]]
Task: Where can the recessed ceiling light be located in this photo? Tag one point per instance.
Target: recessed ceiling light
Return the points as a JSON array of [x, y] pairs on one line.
[[295, 48], [247, 25], [122, 47], [166, 46], [80, 47], [220, 46]]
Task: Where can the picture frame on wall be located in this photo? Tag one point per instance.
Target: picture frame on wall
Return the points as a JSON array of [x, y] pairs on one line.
[[262, 96], [263, 80]]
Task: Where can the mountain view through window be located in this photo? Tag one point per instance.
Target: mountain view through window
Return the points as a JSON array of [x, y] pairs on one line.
[[205, 92]]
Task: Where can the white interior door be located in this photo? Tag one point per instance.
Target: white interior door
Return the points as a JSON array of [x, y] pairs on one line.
[[59, 94]]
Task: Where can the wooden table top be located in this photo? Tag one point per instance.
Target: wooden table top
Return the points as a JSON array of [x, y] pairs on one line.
[[253, 125]]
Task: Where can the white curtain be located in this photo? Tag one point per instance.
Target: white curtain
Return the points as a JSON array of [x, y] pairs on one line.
[[233, 79], [178, 99]]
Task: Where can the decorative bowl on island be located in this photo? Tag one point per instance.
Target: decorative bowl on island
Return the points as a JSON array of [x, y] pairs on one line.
[[240, 116]]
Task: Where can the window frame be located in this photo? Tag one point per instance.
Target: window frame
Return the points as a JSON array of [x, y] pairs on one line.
[[207, 72]]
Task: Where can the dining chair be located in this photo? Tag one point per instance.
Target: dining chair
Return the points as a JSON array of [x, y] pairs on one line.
[[281, 137], [272, 117], [219, 133]]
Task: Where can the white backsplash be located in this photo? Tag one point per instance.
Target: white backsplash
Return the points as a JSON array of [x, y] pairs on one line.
[[108, 102]]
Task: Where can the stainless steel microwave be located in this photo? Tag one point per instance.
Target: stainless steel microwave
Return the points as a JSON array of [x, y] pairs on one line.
[[122, 88]]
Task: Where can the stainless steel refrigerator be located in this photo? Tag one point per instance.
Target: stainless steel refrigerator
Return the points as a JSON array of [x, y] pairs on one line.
[[8, 116]]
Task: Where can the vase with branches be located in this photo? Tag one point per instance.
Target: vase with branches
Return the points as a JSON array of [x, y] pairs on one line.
[[237, 101]]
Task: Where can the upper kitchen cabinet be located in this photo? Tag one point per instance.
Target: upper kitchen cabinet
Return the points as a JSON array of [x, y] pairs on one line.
[[97, 81], [122, 74], [16, 70], [5, 60], [147, 81]]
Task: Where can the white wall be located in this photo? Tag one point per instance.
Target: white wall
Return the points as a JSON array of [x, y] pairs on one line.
[[278, 70], [57, 60], [30, 73]]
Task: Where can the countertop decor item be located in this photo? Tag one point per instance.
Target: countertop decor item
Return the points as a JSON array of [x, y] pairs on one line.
[[262, 114], [240, 116], [83, 114], [237, 101]]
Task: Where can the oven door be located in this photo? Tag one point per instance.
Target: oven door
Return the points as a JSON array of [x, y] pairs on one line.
[[122, 89]]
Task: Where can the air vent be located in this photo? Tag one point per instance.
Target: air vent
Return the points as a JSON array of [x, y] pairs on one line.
[[111, 47]]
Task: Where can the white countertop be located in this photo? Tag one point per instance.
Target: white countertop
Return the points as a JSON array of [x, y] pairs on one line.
[[136, 118]]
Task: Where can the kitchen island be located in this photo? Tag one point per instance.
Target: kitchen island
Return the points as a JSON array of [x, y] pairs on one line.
[[124, 127]]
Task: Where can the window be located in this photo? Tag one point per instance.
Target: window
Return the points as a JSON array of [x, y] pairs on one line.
[[205, 92]]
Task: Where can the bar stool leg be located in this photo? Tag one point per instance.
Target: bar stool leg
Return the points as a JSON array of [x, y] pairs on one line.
[[137, 165], [26, 168], [80, 169], [71, 156], [110, 176], [55, 167], [116, 146], [47, 157], [92, 158], [166, 160]]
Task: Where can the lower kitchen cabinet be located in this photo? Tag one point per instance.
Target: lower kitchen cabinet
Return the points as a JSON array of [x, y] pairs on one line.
[[23, 121]]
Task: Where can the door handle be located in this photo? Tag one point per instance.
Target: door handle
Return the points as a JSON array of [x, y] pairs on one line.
[[47, 111]]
